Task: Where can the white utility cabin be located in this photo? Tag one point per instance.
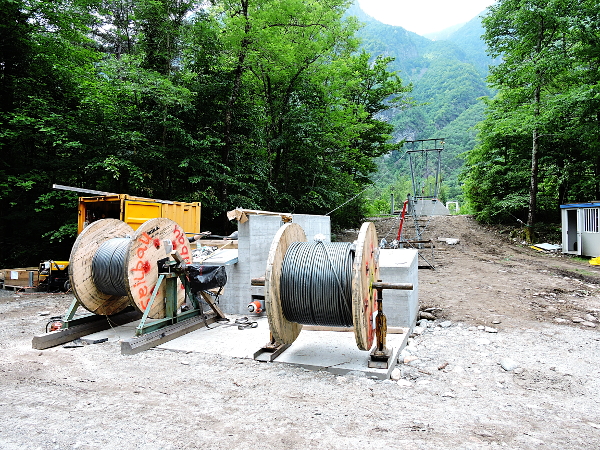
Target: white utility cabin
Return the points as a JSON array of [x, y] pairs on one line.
[[580, 228]]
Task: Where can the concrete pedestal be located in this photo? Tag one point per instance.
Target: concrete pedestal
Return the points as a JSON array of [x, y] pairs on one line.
[[400, 266], [254, 241]]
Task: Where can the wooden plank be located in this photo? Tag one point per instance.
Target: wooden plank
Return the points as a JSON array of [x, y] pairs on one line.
[[390, 330], [241, 215], [208, 299], [20, 277], [9, 287], [54, 338], [222, 243], [325, 328]]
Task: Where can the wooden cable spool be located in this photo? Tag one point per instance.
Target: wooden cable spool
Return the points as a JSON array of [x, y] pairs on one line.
[[80, 266], [139, 266], [365, 271]]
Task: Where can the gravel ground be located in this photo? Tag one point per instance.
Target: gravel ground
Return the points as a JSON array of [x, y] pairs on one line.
[[453, 391]]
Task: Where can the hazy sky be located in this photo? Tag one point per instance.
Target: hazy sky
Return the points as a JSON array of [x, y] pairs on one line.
[[424, 16]]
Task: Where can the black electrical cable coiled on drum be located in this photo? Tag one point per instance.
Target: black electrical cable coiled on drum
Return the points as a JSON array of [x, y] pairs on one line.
[[108, 266], [316, 283]]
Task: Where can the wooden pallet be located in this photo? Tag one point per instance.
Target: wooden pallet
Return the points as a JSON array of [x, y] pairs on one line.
[[9, 287]]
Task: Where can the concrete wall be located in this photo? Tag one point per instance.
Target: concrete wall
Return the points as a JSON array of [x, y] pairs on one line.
[[430, 207], [313, 225], [254, 241], [400, 266]]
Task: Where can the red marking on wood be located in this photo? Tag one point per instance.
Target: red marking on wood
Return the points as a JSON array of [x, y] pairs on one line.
[[144, 291], [147, 293], [139, 268], [180, 238], [141, 251]]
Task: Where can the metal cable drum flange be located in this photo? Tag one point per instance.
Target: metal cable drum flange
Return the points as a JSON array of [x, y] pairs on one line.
[[316, 283], [108, 266]]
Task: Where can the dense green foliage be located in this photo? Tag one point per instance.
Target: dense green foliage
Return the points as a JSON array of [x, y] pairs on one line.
[[264, 104], [540, 141]]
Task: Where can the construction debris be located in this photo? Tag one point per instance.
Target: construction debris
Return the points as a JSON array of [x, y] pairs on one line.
[[545, 247], [449, 241], [241, 215]]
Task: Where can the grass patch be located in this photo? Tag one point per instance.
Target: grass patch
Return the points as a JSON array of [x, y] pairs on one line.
[[585, 272], [581, 259]]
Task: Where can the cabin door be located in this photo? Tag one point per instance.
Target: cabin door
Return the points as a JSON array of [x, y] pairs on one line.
[[574, 224]]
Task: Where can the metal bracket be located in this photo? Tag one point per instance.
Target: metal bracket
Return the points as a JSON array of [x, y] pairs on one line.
[[270, 352], [380, 356], [174, 270], [69, 317]]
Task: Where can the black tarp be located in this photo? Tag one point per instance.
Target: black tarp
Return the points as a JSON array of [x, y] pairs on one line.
[[203, 278]]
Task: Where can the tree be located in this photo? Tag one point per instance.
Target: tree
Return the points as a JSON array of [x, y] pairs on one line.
[[532, 37], [314, 103], [261, 104]]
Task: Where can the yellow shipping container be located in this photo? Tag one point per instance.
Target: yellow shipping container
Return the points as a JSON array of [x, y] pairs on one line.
[[136, 210]]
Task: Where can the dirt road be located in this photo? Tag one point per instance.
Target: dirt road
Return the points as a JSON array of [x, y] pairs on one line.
[[496, 305]]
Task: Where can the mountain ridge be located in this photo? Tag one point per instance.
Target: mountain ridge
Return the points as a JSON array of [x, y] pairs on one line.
[[448, 78]]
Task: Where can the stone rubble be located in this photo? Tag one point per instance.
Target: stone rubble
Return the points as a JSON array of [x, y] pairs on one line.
[[508, 364], [426, 315]]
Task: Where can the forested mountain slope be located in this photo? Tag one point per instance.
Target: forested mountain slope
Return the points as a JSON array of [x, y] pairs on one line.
[[448, 77]]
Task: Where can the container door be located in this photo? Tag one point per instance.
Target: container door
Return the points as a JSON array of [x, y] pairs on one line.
[[137, 212], [187, 215], [579, 231], [572, 223]]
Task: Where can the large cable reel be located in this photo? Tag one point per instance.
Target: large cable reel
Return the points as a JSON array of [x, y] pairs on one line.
[[112, 266], [364, 274]]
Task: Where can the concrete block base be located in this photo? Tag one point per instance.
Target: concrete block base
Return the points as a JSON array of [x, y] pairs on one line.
[[400, 266], [331, 351]]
